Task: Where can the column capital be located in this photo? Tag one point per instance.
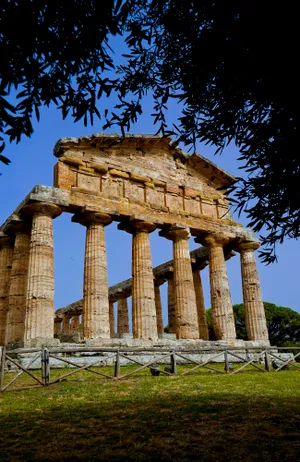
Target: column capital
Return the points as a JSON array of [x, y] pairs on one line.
[[247, 246], [213, 240], [42, 208], [176, 232], [135, 225], [92, 218]]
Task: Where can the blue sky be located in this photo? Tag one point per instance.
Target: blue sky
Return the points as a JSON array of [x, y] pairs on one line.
[[32, 163]]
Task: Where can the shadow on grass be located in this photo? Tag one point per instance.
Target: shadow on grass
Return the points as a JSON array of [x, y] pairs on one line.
[[200, 426]]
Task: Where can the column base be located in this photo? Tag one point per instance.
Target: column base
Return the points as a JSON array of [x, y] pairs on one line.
[[40, 342]]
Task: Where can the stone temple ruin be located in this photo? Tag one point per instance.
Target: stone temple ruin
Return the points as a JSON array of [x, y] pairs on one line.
[[143, 182]]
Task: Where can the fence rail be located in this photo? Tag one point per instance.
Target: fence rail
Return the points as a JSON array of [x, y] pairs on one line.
[[261, 359]]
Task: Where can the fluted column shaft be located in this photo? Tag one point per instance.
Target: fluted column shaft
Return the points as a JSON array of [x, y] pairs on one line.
[[95, 292], [6, 254], [39, 319], [159, 314], [57, 327], [123, 323], [95, 312], [171, 307], [111, 319], [18, 288], [221, 304], [255, 318], [75, 323], [143, 298], [66, 326], [202, 322], [185, 299]]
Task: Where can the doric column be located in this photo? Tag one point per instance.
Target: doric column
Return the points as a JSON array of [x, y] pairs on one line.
[[111, 319], [57, 327], [66, 325], [18, 286], [221, 304], [159, 314], [95, 314], [202, 322], [171, 307], [123, 324], [143, 298], [255, 318], [185, 299], [75, 324], [6, 254], [39, 318]]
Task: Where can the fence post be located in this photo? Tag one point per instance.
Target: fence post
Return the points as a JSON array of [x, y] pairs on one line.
[[45, 366], [2, 367], [173, 363], [226, 361], [267, 361], [117, 365]]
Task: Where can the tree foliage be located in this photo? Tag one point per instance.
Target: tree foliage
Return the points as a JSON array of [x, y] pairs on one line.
[[229, 64], [283, 323]]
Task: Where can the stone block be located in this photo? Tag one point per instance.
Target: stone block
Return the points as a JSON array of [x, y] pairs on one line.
[[173, 188], [89, 182], [209, 209], [98, 167], [189, 192], [135, 192], [119, 173], [64, 176], [192, 206], [174, 203], [112, 187], [155, 197], [72, 161], [139, 178]]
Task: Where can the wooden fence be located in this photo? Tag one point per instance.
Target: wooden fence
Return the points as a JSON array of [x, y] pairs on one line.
[[262, 360]]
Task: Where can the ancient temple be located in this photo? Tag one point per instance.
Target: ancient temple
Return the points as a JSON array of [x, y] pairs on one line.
[[144, 182]]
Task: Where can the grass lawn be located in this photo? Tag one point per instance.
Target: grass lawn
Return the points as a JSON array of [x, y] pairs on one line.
[[250, 416]]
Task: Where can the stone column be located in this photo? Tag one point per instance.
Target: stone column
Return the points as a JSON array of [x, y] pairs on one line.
[[75, 324], [202, 322], [159, 314], [255, 318], [95, 314], [39, 318], [18, 288], [123, 324], [171, 307], [143, 298], [111, 319], [57, 327], [66, 326], [221, 304], [6, 254], [185, 299]]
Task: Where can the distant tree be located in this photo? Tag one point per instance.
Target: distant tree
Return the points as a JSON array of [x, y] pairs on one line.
[[283, 323], [232, 65]]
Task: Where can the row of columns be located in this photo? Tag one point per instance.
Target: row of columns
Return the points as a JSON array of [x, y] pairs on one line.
[[186, 301], [27, 283], [27, 277]]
